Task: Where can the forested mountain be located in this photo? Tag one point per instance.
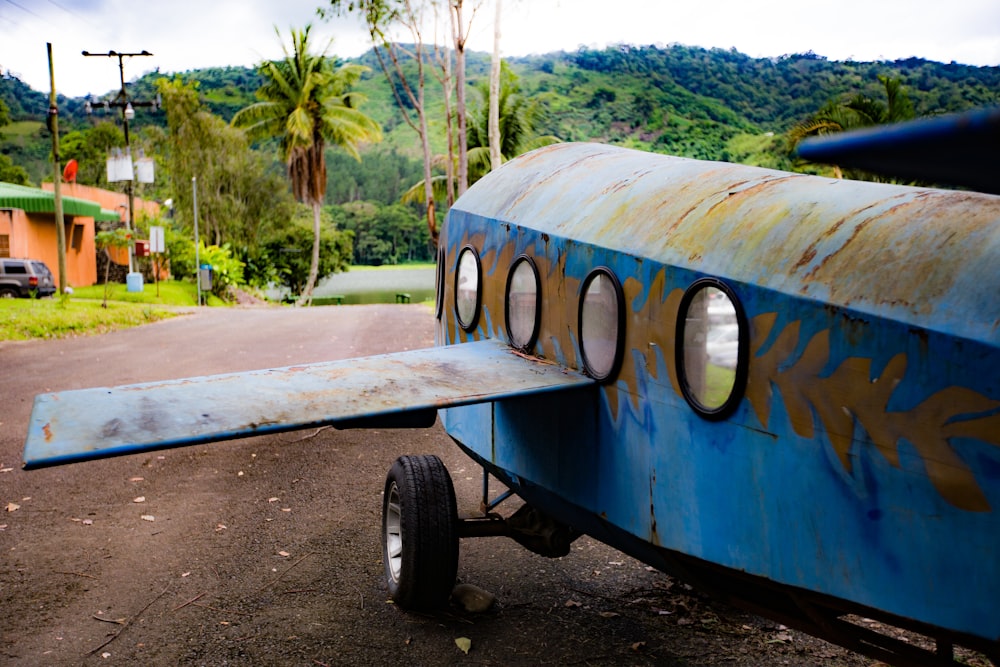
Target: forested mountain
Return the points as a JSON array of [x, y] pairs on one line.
[[689, 101]]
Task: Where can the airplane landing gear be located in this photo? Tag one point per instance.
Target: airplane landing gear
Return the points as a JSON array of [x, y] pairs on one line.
[[421, 529], [419, 532]]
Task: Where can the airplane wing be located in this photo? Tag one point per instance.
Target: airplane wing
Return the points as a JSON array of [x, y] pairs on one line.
[[403, 389], [955, 149]]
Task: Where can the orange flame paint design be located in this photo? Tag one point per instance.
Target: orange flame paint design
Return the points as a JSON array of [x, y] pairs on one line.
[[851, 395], [848, 396]]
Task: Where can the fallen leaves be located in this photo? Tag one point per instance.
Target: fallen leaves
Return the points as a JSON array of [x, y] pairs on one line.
[[464, 643]]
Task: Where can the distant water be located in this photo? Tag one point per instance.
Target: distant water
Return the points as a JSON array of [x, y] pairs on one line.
[[375, 286]]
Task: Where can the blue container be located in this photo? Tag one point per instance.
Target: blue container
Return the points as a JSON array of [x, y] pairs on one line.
[[133, 282]]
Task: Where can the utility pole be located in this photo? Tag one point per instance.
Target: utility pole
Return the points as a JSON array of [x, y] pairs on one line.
[[128, 113], [197, 259], [53, 122]]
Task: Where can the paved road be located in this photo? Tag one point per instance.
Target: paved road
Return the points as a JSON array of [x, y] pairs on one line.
[[265, 551]]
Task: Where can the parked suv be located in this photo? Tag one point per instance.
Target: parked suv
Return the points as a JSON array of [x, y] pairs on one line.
[[25, 278]]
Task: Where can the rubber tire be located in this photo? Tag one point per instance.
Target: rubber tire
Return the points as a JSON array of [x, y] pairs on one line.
[[8, 293], [419, 532]]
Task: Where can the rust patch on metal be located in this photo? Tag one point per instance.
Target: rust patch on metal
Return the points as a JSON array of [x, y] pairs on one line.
[[806, 258], [734, 192], [47, 430], [112, 428]]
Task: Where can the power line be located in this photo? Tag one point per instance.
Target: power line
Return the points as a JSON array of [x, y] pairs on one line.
[[73, 13], [24, 9]]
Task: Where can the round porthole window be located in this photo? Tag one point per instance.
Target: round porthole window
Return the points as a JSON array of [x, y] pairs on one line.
[[522, 304], [602, 324], [468, 295], [712, 355]]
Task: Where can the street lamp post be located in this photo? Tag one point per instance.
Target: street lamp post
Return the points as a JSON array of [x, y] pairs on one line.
[[128, 113]]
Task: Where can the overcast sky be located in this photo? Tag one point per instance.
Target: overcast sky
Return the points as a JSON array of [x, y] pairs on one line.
[[190, 34]]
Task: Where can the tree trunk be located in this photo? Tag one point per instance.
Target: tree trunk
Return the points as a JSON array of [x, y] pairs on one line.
[[425, 144], [306, 298], [428, 182], [494, 125], [449, 168], [107, 271], [458, 30]]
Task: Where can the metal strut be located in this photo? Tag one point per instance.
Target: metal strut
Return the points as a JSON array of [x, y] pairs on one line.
[[485, 504], [528, 526]]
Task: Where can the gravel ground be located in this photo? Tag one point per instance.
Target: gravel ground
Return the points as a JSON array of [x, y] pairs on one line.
[[265, 551]]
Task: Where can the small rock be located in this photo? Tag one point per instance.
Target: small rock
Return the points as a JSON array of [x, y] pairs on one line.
[[472, 598]]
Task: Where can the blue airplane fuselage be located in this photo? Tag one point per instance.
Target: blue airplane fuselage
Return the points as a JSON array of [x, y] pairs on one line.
[[860, 457]]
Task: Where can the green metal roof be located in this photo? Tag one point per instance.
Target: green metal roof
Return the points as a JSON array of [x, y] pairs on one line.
[[33, 200], [105, 215]]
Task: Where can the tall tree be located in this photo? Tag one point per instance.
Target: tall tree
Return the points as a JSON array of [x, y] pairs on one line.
[[496, 157], [445, 74], [239, 199], [10, 172], [380, 17], [90, 147], [460, 34], [307, 101], [519, 118]]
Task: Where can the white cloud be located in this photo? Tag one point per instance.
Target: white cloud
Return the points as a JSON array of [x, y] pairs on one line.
[[190, 34]]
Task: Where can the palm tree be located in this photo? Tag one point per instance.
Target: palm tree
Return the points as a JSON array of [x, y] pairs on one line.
[[519, 118], [306, 101], [856, 112]]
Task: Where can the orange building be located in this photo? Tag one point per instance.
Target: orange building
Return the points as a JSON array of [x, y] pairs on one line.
[[27, 225]]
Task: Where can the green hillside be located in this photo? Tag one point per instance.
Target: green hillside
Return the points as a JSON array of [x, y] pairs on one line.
[[704, 103]]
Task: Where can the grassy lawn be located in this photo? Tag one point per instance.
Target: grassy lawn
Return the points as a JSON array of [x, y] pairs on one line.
[[82, 314], [23, 128], [23, 319], [171, 293]]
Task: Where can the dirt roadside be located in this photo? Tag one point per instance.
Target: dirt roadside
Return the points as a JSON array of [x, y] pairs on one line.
[[265, 551]]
